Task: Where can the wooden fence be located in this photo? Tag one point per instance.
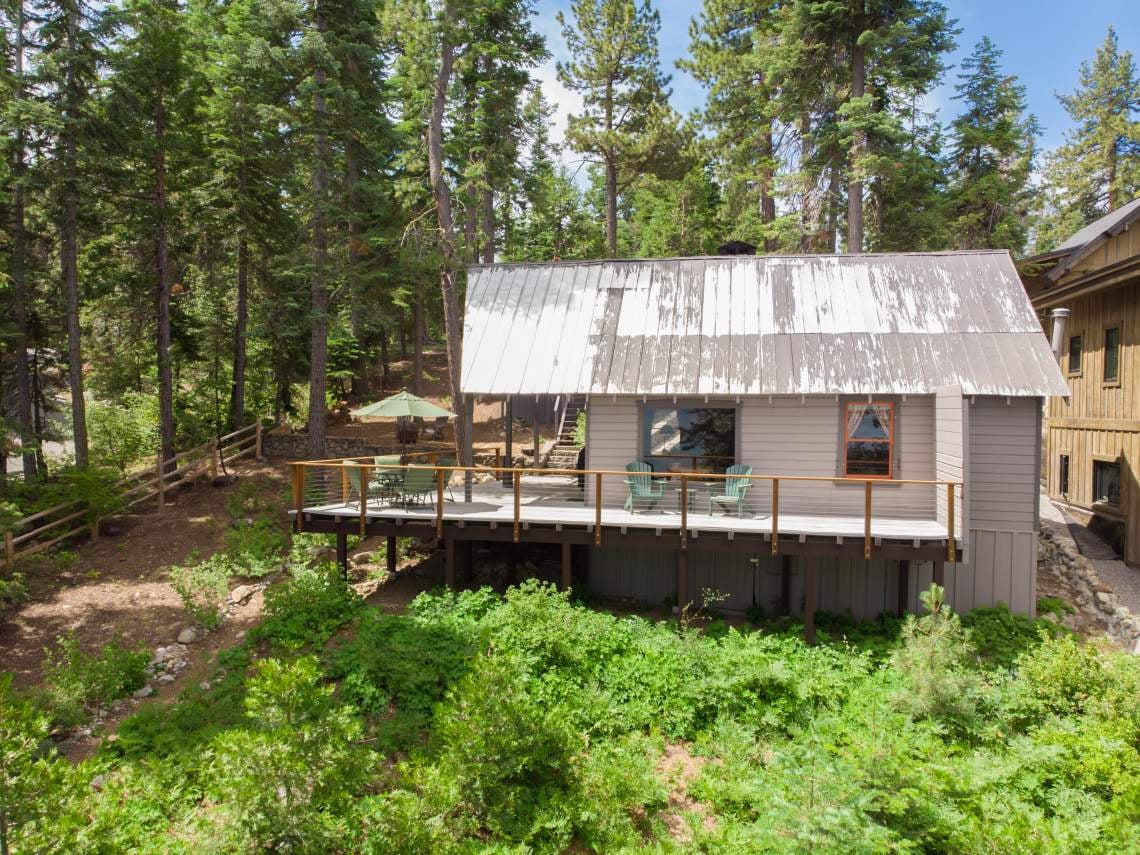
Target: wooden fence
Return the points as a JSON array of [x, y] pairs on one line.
[[45, 529]]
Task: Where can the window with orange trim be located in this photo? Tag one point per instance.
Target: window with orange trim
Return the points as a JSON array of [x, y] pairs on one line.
[[869, 440]]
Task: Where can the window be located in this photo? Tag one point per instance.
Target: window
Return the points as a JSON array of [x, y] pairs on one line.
[[695, 439], [869, 440], [1063, 479], [1106, 482], [1075, 354], [1112, 354]]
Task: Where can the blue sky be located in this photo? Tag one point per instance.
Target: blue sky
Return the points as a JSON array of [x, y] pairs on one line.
[[1044, 42]]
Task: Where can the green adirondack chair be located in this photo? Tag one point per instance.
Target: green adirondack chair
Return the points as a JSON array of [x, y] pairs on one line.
[[735, 488], [418, 485], [449, 463], [642, 486], [355, 473]]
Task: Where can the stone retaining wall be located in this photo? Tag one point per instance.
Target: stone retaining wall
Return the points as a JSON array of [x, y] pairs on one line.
[[1057, 553]]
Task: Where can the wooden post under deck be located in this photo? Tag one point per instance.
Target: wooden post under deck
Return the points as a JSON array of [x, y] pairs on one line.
[[785, 584], [391, 550], [449, 561], [810, 562], [566, 568], [682, 580], [904, 583], [940, 573]]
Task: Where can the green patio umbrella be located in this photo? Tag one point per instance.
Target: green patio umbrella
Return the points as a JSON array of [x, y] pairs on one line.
[[404, 405]]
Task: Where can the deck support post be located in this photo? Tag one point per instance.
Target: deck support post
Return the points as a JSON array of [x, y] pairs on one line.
[[810, 563], [449, 561], [785, 584], [567, 570], [469, 456], [940, 573], [509, 418], [390, 549], [682, 580], [904, 583], [342, 553]]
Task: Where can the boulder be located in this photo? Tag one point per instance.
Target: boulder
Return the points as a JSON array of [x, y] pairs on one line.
[[144, 692], [188, 635], [241, 594]]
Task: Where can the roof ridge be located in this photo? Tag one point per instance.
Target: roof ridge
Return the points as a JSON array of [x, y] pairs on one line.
[[842, 256]]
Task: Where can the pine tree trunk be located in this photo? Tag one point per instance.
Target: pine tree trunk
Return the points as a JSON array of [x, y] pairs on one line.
[[858, 141], [611, 177], [488, 226], [241, 311], [162, 287], [385, 361], [356, 315], [17, 266], [441, 193], [767, 198], [810, 220], [69, 245], [418, 339], [318, 346]]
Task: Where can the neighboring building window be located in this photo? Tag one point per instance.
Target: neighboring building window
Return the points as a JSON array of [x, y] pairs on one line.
[[1106, 482], [1063, 486], [696, 439], [1112, 354], [869, 440], [1075, 354]]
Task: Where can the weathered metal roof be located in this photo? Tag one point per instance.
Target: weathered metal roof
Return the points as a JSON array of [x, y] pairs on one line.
[[1099, 227], [756, 325]]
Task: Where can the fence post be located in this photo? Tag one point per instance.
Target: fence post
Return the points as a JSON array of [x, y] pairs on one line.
[[866, 519], [257, 440], [9, 549], [598, 509], [775, 515], [95, 530], [517, 477], [684, 512], [950, 551], [158, 468], [299, 495], [439, 502]]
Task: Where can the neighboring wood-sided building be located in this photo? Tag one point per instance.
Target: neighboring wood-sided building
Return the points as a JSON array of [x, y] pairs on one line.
[[888, 406], [1087, 292]]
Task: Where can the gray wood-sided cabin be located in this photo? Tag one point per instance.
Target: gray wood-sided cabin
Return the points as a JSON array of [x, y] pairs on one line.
[[888, 405]]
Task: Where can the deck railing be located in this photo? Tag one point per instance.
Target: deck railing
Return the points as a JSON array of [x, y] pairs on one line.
[[333, 484]]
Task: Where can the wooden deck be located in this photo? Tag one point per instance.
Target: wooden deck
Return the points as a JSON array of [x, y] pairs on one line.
[[557, 503]]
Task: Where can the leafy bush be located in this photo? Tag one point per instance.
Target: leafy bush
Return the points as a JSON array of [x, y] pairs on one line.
[[204, 588], [75, 682], [308, 608], [124, 432], [579, 436], [1001, 635], [12, 590], [256, 549], [96, 488], [289, 777]]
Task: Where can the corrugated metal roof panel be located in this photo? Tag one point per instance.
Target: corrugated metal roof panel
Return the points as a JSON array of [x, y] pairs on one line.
[[756, 325]]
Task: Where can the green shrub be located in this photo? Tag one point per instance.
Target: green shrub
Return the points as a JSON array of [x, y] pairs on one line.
[[308, 608], [97, 488], [75, 682], [1001, 635], [12, 590], [124, 432], [288, 778], [258, 548], [204, 588], [579, 435]]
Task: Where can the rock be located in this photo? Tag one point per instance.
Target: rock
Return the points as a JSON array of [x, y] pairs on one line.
[[144, 692], [204, 685], [165, 678], [364, 558], [242, 593], [166, 654], [188, 635], [1103, 599], [97, 782], [117, 706]]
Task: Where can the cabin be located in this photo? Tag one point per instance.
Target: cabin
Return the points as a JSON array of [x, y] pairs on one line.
[[793, 432], [1086, 293]]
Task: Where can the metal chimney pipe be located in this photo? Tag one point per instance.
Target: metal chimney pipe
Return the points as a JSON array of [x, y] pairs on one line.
[[1060, 320]]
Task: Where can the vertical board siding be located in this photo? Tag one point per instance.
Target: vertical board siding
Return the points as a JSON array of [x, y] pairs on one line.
[[787, 437], [949, 449], [1003, 457], [612, 440]]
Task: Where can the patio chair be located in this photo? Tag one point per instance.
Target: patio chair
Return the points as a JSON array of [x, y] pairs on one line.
[[417, 485], [355, 474], [434, 429], [388, 474], [735, 487], [642, 486]]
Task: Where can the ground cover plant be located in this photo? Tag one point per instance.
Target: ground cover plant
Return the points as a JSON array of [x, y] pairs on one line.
[[475, 722]]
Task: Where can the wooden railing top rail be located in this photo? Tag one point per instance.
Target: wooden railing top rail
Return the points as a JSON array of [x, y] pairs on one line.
[[362, 462]]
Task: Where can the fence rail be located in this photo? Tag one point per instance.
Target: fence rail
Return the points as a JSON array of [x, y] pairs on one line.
[[329, 483], [152, 483]]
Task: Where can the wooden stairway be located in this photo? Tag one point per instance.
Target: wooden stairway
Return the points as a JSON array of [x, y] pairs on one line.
[[564, 455]]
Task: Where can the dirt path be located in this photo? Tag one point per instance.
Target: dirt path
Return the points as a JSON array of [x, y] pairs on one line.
[[118, 586]]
